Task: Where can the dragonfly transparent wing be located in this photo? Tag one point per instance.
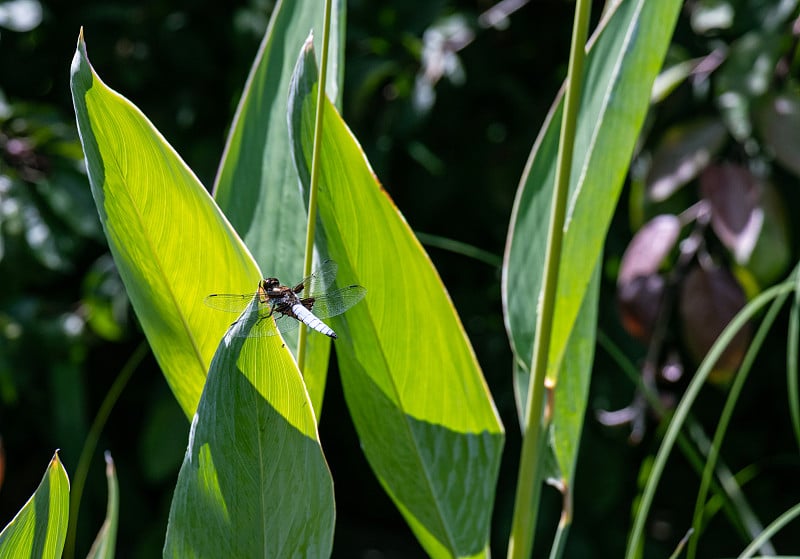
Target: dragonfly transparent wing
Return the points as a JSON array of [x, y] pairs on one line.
[[337, 301], [322, 278], [227, 302], [237, 303]]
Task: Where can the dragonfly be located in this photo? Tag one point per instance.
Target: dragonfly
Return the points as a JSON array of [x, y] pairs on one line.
[[287, 305]]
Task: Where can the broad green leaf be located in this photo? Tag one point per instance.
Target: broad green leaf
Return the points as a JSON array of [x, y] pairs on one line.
[[106, 541], [254, 482], [619, 72], [422, 410], [169, 240], [40, 527], [256, 185]]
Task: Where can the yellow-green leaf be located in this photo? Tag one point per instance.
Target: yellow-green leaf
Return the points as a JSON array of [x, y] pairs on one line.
[[40, 527], [169, 240]]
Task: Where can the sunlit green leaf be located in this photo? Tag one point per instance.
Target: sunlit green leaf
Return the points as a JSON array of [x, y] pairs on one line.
[[171, 244], [254, 482], [40, 527], [424, 416], [257, 185], [104, 545]]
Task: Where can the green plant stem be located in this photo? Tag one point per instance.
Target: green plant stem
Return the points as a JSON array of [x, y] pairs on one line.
[[770, 531], [564, 523], [792, 388], [84, 461], [457, 247], [313, 187], [530, 476]]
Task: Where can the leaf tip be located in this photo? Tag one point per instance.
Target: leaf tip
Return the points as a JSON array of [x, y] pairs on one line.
[[109, 463], [308, 45]]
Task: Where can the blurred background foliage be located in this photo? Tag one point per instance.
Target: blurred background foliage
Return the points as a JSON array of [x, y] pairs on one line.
[[446, 97]]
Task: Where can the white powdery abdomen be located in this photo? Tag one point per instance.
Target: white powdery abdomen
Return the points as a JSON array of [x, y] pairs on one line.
[[308, 318]]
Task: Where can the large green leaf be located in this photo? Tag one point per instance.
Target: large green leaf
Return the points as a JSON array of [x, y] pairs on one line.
[[422, 410], [623, 61], [40, 527], [254, 482], [256, 185], [171, 244], [105, 543]]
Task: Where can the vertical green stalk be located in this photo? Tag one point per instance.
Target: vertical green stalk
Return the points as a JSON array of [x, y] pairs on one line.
[[312, 197], [530, 477]]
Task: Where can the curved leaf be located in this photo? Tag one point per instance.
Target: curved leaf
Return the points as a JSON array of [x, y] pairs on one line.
[[254, 482], [169, 240], [40, 527], [105, 543], [422, 410]]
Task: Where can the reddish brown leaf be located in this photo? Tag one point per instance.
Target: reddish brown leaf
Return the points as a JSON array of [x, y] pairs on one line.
[[648, 248], [639, 303], [709, 299], [736, 212]]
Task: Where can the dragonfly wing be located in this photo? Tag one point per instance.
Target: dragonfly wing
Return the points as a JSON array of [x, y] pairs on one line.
[[228, 303], [337, 301], [322, 277]]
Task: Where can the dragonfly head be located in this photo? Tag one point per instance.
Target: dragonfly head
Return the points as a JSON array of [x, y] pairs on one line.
[[269, 285]]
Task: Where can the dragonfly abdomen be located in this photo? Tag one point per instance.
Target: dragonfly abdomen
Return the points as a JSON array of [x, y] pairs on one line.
[[307, 317]]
